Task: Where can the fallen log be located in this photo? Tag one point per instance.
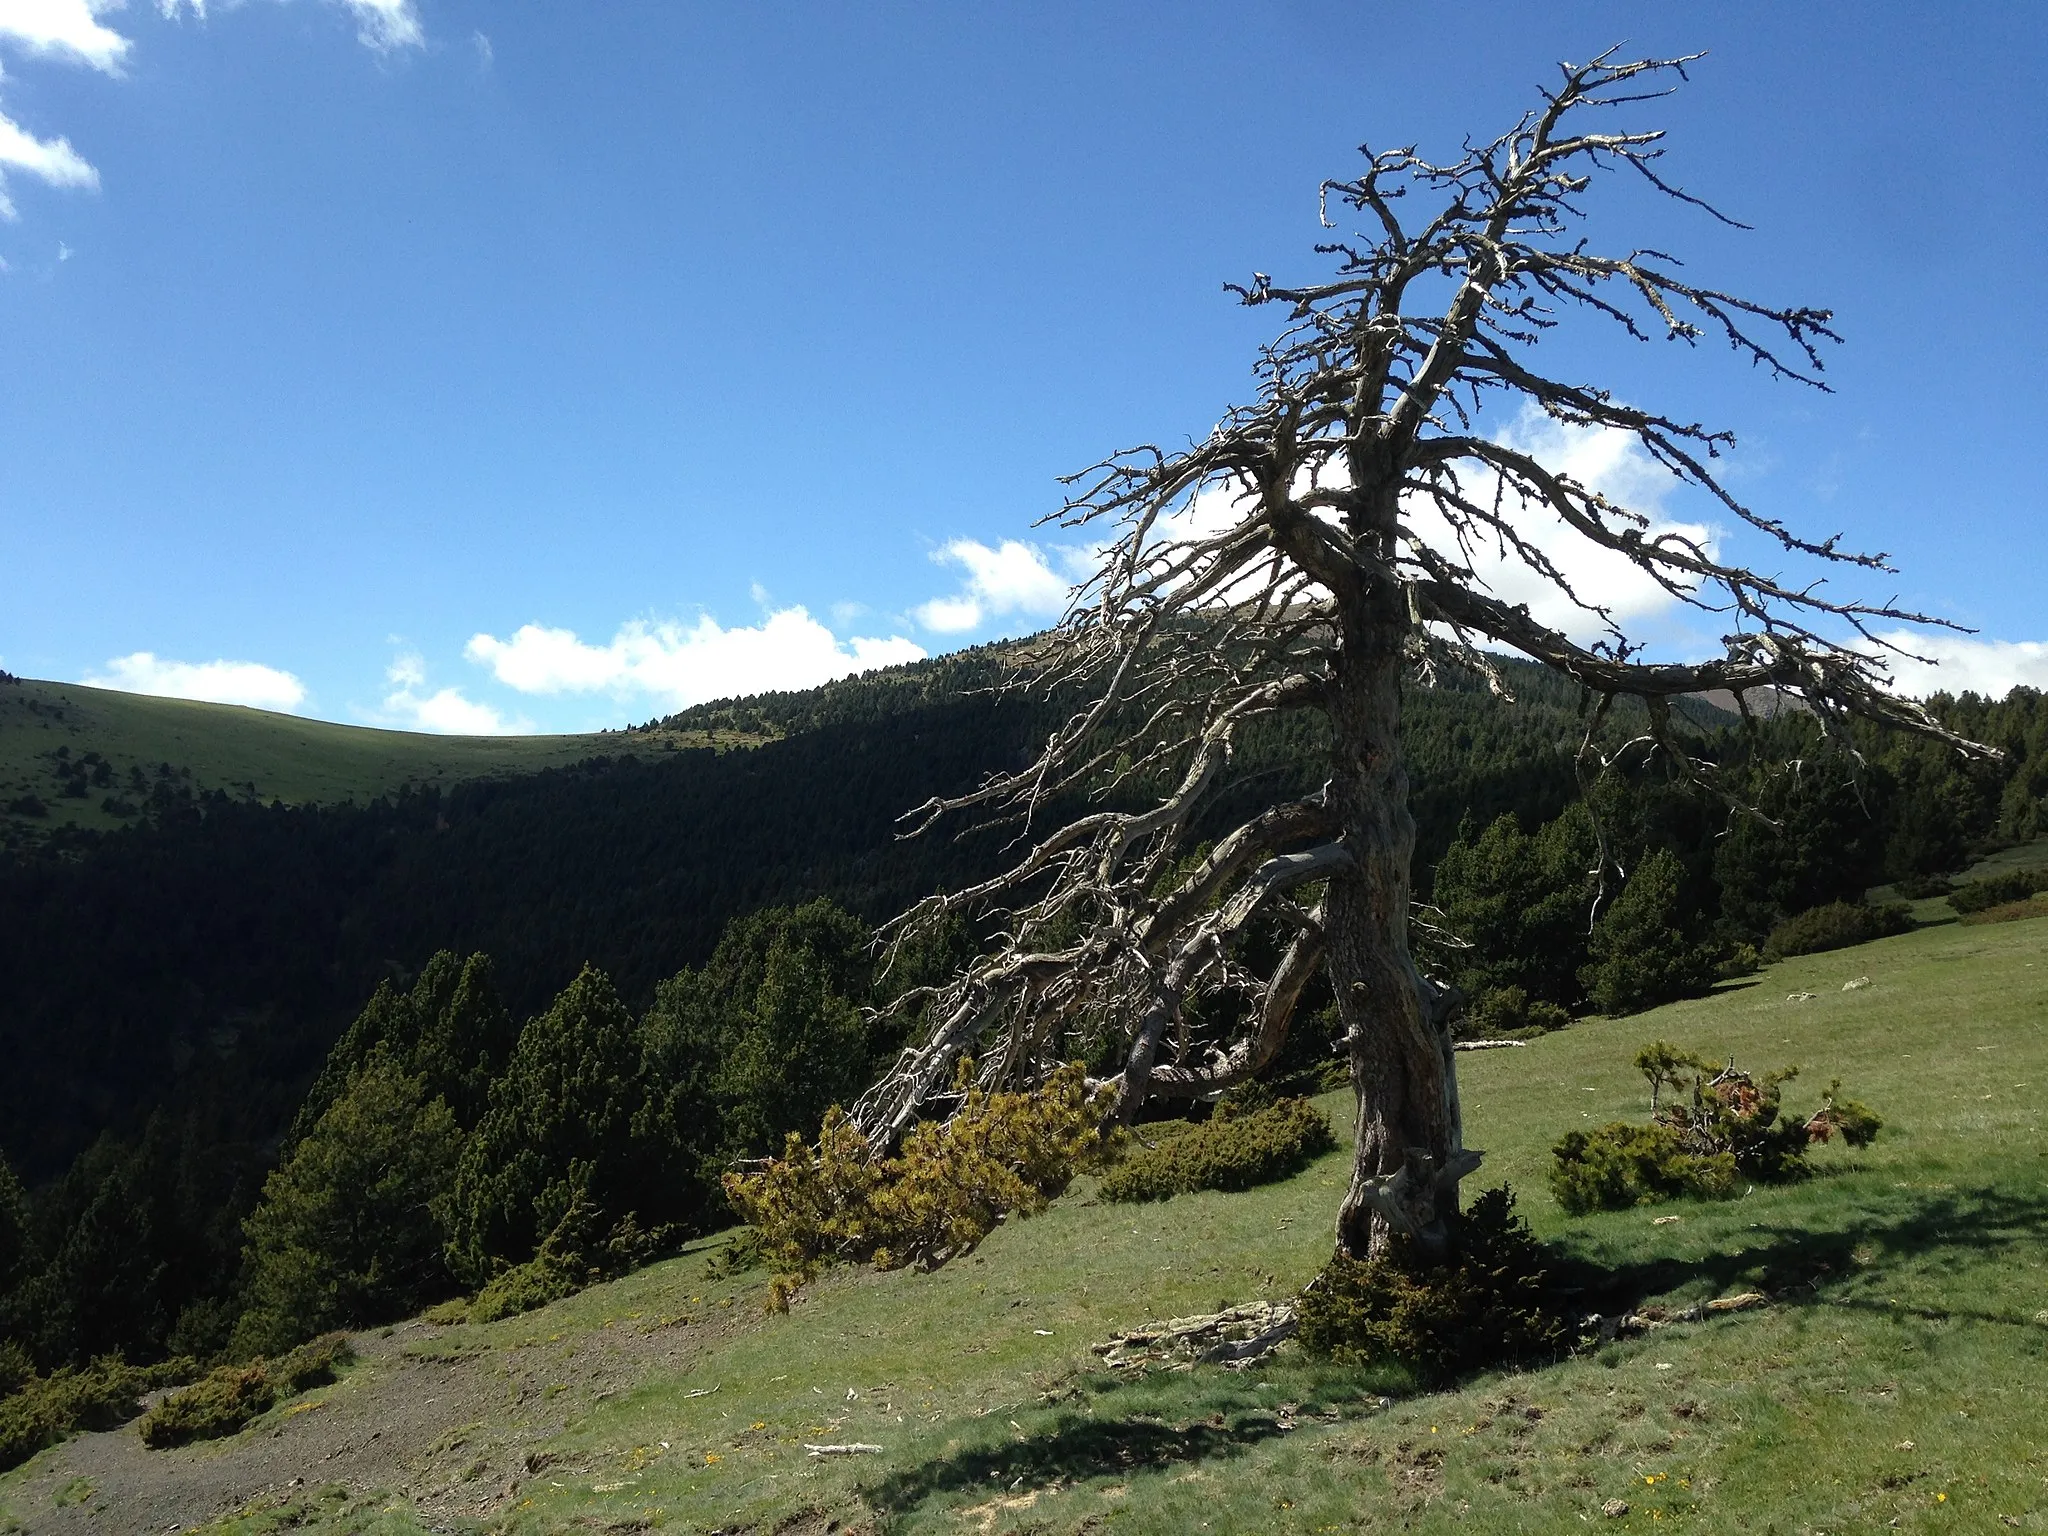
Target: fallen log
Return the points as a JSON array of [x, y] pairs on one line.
[[1236, 1337], [1624, 1324]]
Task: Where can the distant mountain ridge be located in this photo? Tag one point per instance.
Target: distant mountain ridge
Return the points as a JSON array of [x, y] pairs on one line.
[[73, 756]]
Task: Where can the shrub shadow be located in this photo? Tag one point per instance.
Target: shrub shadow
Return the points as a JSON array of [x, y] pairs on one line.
[[1074, 1450], [1968, 1226]]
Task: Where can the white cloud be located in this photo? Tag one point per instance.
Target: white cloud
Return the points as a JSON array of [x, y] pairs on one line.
[[50, 160], [1012, 578], [219, 682], [485, 54], [1965, 663], [445, 712], [680, 665], [71, 30], [67, 29], [62, 29], [380, 24]]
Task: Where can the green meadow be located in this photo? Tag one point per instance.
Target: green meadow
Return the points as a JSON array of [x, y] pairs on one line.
[[1898, 1380], [252, 753]]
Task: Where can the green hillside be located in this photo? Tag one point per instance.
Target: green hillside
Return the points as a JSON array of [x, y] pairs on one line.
[[1898, 1380], [48, 729]]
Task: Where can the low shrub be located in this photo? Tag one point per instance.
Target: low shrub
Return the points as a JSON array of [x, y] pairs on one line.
[[1620, 1165], [740, 1254], [579, 1251], [16, 1369], [1507, 1012], [1836, 926], [224, 1400], [1998, 890], [1488, 1303], [999, 1155], [1228, 1151], [1727, 1129], [2011, 911], [526, 1287], [1742, 960], [42, 1410], [1920, 887]]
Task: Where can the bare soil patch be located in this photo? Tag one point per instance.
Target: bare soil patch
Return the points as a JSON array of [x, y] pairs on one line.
[[452, 1422]]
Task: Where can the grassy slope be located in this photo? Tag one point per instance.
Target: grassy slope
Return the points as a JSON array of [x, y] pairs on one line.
[[248, 751], [1902, 1376]]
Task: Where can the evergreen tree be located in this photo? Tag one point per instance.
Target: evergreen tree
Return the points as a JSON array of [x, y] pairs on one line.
[[760, 1041], [101, 1290], [1821, 844], [15, 1251], [450, 1029], [560, 1127], [1521, 899], [465, 1033], [17, 1257], [345, 1234], [1640, 956]]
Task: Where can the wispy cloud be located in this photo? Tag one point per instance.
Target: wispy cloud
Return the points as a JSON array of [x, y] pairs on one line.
[[1012, 579], [1965, 664], [683, 664], [66, 29], [71, 31], [386, 25], [380, 24], [49, 160], [218, 682]]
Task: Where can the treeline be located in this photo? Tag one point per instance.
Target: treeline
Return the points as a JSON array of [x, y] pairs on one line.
[[1689, 888], [169, 992]]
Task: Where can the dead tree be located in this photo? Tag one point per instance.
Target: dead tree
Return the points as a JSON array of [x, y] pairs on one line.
[[1323, 545]]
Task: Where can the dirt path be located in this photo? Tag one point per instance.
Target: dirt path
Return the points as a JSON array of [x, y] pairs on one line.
[[451, 1422]]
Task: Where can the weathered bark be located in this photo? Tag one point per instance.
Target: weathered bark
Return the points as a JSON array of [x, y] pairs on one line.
[[1406, 1161]]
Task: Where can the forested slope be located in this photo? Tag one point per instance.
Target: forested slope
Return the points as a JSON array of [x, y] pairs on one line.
[[216, 951]]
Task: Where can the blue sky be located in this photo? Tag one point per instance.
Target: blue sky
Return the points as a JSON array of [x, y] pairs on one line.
[[471, 365]]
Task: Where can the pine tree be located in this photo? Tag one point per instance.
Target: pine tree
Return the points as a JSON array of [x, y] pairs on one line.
[[559, 1126], [17, 1260], [101, 1291], [1640, 957], [1520, 899], [451, 1029], [760, 1041], [345, 1234]]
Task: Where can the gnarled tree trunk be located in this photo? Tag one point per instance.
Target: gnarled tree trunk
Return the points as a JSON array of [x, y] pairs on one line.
[[1409, 1154]]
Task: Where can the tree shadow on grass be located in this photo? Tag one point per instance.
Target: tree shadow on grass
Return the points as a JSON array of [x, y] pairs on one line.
[[1221, 1415], [1939, 1231], [1072, 1451]]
